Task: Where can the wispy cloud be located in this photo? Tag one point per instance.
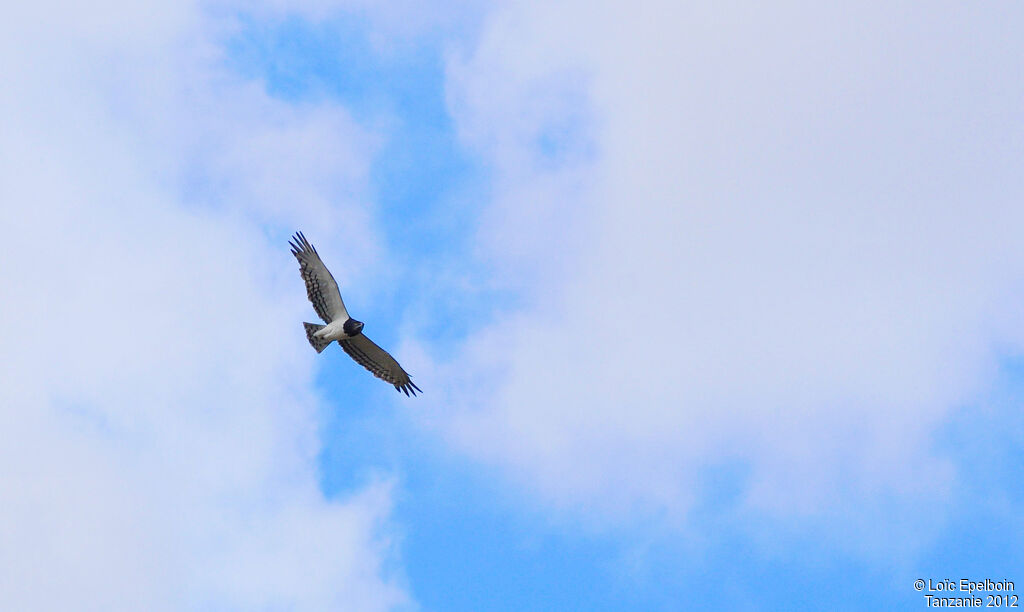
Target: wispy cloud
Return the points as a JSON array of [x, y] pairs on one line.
[[787, 237], [159, 444]]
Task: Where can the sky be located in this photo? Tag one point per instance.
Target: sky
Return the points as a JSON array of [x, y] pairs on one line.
[[715, 306]]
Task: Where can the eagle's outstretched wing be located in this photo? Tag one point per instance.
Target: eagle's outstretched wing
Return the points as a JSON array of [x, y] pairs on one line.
[[320, 286], [379, 362]]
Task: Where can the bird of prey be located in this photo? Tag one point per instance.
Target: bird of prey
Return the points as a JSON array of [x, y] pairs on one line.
[[323, 293]]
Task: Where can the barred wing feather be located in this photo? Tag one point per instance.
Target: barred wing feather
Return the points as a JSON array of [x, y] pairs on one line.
[[379, 363], [320, 286]]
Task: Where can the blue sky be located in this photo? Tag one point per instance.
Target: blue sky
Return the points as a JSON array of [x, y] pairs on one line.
[[469, 544], [712, 307]]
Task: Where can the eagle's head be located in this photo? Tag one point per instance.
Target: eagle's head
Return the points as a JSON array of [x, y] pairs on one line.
[[352, 327]]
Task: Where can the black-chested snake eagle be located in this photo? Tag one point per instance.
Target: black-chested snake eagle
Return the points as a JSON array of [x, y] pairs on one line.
[[323, 293]]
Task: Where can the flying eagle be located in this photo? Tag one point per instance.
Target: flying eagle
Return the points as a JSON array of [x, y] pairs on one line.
[[323, 293]]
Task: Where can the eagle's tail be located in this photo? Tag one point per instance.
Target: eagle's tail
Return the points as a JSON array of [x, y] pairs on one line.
[[318, 343]]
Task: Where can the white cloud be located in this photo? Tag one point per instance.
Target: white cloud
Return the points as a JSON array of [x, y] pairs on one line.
[[782, 234], [159, 445], [394, 26]]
